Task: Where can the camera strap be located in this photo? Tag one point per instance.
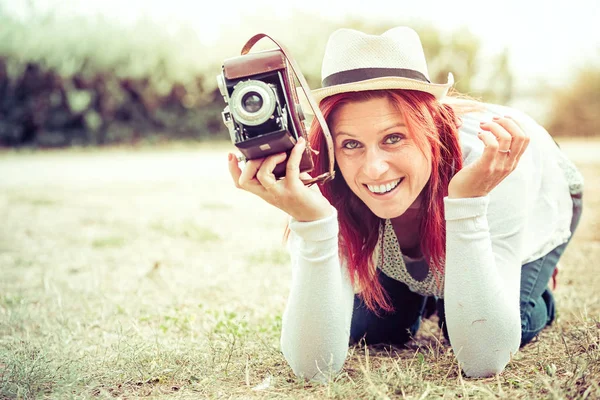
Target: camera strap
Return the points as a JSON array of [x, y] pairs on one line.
[[327, 176]]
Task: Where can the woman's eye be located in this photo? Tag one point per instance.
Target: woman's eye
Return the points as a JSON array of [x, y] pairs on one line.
[[393, 139], [350, 144]]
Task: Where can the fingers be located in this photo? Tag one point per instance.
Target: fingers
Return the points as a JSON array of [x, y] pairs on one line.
[[246, 179], [234, 169], [520, 140], [504, 142], [292, 170], [491, 148], [502, 135], [305, 176], [257, 175], [265, 174]]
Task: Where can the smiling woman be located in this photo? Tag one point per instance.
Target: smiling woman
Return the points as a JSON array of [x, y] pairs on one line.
[[400, 154], [467, 204], [380, 160]]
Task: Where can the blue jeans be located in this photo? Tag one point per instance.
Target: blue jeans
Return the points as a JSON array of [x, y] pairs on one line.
[[397, 327]]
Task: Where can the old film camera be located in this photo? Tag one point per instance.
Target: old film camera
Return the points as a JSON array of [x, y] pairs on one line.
[[263, 114]]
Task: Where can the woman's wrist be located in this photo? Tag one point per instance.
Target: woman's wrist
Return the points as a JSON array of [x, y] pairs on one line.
[[314, 215], [457, 194], [317, 230]]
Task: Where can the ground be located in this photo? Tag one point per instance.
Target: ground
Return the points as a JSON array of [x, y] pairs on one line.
[[144, 272]]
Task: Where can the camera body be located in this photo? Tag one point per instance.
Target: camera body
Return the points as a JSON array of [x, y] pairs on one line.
[[262, 113]]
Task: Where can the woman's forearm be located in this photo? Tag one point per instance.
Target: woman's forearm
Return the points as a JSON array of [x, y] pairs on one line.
[[316, 321], [481, 289]]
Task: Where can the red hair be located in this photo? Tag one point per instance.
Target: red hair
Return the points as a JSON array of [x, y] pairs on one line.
[[431, 124]]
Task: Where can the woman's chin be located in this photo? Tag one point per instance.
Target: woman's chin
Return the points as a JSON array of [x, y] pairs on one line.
[[389, 212], [393, 209]]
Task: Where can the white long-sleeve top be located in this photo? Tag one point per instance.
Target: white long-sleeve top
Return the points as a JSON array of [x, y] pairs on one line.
[[488, 239]]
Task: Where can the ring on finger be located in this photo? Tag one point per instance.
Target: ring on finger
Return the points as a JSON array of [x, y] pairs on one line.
[[507, 151]]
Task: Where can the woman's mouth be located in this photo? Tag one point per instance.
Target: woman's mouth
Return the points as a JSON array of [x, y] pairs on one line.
[[384, 189]]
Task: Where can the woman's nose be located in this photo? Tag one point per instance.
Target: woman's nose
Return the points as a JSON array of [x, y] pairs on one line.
[[375, 165]]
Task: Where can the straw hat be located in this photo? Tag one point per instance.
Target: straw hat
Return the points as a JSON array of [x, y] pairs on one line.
[[355, 61]]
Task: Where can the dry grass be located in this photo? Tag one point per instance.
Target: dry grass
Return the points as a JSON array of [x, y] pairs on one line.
[[131, 274]]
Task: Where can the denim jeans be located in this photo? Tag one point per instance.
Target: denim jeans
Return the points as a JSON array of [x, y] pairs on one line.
[[397, 327]]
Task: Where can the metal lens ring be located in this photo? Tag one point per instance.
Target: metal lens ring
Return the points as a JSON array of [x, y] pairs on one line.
[[252, 102]]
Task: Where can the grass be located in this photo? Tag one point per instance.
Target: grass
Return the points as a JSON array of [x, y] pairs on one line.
[[186, 229], [111, 241], [166, 282]]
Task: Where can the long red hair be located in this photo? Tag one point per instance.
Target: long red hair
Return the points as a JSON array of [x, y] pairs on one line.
[[431, 124]]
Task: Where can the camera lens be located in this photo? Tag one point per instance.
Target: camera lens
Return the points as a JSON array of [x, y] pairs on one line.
[[252, 102]]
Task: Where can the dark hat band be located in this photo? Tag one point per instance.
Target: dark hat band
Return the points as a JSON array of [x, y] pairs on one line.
[[362, 74]]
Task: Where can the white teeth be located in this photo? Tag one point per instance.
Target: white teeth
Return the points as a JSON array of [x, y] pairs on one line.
[[383, 188]]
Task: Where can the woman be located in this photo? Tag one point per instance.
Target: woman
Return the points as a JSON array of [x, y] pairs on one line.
[[465, 203]]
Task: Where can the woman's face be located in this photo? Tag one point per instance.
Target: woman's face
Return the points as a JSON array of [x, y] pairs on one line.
[[378, 158]]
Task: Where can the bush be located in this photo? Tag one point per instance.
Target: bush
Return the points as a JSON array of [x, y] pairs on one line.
[[88, 81], [576, 108]]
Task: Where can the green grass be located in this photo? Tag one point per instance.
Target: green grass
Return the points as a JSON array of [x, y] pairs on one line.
[[109, 241], [187, 230], [278, 256], [122, 289]]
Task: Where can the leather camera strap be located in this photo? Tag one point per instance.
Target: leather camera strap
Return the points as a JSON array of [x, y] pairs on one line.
[[305, 88]]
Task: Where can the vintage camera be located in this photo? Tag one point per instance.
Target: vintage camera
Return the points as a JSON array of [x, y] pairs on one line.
[[262, 114]]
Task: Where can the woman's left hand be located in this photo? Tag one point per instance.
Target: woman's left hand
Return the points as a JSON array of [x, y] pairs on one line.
[[505, 143]]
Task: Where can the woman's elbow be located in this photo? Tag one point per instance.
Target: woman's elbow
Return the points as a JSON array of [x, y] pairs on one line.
[[315, 371], [314, 366], [484, 368], [488, 358]]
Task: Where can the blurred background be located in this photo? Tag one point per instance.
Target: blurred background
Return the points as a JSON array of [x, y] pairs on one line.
[[110, 72]]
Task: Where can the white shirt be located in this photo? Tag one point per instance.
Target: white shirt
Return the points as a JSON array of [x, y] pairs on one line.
[[488, 239]]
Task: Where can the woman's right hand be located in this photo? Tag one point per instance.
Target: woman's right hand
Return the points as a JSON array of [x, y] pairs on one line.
[[288, 194]]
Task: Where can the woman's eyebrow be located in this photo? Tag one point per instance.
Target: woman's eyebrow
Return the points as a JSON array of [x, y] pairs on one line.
[[396, 125]]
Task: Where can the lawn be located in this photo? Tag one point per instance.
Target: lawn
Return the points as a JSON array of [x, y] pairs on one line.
[[144, 272]]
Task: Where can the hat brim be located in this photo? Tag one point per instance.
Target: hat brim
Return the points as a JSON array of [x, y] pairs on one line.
[[439, 90]]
